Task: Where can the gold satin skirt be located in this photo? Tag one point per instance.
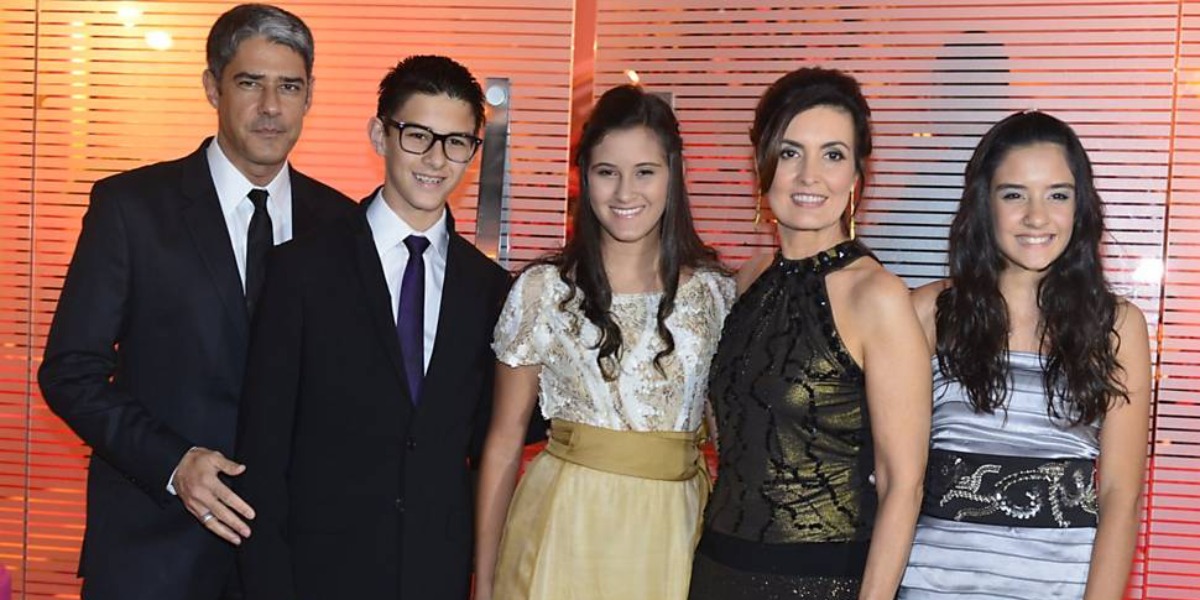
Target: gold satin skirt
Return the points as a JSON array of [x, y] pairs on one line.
[[603, 514]]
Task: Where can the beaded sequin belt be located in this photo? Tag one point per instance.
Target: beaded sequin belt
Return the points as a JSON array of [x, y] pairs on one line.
[[1010, 490]]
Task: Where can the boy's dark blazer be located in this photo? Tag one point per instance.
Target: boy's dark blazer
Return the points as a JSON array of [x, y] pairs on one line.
[[359, 493]]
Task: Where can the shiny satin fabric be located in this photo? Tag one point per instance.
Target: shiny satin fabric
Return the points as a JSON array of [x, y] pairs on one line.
[[952, 559], [663, 455], [1022, 428], [794, 503], [601, 502], [796, 453]]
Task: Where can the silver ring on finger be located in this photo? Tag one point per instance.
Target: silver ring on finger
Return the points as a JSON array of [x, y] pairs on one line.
[[206, 517]]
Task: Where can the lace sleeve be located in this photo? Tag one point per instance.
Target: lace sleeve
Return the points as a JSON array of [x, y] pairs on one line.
[[516, 339], [723, 289]]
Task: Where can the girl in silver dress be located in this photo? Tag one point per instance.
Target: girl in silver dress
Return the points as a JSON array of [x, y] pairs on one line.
[[1041, 373]]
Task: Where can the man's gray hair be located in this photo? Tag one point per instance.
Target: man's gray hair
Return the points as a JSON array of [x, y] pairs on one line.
[[246, 21]]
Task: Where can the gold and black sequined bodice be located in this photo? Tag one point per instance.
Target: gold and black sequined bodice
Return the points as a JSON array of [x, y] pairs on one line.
[[795, 444]]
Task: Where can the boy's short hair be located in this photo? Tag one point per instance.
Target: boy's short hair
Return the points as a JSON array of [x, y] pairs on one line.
[[433, 75]]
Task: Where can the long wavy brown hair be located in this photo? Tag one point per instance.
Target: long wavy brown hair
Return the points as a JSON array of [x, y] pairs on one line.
[[1078, 309], [580, 264]]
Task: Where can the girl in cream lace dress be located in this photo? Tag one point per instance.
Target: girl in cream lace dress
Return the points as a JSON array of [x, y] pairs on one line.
[[613, 336]]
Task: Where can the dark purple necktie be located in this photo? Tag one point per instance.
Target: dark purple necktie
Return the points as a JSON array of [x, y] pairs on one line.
[[259, 239], [410, 317]]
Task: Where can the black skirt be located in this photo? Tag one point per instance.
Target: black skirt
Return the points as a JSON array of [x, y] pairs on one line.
[[729, 568]]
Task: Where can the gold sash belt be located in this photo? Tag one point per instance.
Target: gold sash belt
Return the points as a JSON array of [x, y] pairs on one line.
[[662, 455]]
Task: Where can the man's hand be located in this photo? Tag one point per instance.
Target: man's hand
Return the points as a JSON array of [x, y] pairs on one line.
[[208, 498]]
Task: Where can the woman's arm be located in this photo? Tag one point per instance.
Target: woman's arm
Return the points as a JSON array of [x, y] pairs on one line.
[[516, 392], [924, 301], [895, 359], [1122, 463]]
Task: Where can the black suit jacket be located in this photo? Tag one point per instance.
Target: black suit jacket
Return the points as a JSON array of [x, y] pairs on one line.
[[145, 359], [359, 494]]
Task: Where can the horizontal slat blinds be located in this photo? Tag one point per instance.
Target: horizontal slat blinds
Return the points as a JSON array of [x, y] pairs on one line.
[[18, 56], [526, 41], [1173, 561]]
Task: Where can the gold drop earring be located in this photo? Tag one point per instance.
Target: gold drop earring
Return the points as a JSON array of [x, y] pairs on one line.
[[852, 211]]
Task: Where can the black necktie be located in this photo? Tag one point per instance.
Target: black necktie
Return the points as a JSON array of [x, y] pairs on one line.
[[259, 240]]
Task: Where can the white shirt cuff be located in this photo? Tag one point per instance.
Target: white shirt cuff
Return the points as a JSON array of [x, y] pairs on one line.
[[171, 479]]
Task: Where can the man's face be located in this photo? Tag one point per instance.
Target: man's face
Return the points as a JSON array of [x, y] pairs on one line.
[[261, 100]]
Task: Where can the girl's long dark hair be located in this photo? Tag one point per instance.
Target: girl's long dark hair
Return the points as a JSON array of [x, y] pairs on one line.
[[1078, 310], [580, 264]]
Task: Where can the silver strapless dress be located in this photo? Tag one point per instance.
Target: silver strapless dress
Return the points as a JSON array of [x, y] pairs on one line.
[[952, 559]]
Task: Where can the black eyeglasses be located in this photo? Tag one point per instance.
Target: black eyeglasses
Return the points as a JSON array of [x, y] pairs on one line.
[[418, 139]]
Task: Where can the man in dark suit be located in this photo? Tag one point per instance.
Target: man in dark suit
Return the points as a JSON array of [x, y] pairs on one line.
[[369, 380], [146, 352]]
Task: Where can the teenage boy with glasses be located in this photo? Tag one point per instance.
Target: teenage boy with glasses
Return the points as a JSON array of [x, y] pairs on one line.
[[370, 374]]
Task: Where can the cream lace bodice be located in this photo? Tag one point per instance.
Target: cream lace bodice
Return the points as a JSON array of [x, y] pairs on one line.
[[534, 330]]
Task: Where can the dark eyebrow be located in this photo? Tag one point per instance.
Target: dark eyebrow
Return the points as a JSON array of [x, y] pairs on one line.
[[260, 77], [639, 165], [826, 145], [1010, 187], [1017, 186], [430, 129]]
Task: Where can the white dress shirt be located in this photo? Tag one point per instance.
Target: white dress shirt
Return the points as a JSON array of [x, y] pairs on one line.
[[389, 231], [232, 187]]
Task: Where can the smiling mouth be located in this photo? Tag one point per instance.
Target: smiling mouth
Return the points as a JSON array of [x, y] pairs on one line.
[[1035, 240], [428, 180], [808, 199], [627, 213]]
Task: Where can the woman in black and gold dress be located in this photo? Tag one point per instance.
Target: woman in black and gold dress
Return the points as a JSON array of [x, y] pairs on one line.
[[820, 384]]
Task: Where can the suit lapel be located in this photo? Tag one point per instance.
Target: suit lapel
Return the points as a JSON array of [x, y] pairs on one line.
[[304, 204], [202, 213], [453, 296], [458, 300], [376, 296]]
